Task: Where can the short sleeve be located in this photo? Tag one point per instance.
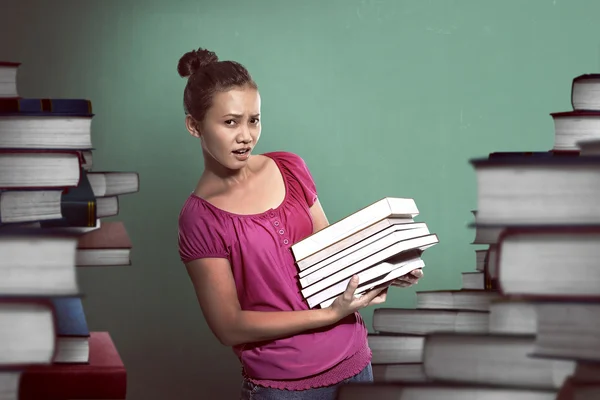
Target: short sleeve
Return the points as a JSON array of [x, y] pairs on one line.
[[299, 171], [201, 234]]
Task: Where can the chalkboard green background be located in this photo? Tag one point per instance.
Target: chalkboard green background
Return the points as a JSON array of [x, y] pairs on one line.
[[380, 97]]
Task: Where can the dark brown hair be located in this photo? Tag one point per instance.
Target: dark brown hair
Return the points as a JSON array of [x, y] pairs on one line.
[[206, 76]]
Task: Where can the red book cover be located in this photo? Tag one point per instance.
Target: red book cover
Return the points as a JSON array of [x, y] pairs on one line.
[[110, 235], [104, 377]]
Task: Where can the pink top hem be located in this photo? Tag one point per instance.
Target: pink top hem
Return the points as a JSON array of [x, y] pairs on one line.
[[344, 370]]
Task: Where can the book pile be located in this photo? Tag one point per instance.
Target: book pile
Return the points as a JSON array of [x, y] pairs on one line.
[[52, 206], [379, 243], [400, 333], [542, 339]]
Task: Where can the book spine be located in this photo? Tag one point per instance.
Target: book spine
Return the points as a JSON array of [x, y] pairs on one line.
[[32, 106], [79, 213], [78, 206]]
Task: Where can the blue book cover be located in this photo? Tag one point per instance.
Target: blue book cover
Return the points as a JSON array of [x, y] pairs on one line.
[[70, 316]]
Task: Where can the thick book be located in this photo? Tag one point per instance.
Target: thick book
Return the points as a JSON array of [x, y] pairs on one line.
[[513, 315], [28, 334], [104, 377], [473, 280], [39, 168], [571, 127], [495, 359], [517, 191], [392, 349], [37, 263], [585, 92], [114, 183], [412, 321], [109, 245], [45, 129], [532, 261], [478, 300], [567, 329], [29, 205]]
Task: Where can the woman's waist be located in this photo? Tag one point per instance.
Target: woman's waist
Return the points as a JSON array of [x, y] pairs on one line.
[[303, 354]]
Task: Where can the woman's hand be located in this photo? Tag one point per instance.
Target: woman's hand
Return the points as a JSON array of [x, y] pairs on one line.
[[409, 279], [347, 303]]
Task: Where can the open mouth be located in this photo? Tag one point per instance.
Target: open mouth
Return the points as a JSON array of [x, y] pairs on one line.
[[242, 151]]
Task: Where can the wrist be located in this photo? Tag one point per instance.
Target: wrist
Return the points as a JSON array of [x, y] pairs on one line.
[[331, 315]]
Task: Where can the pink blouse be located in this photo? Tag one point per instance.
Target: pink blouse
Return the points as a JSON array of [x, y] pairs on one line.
[[258, 249]]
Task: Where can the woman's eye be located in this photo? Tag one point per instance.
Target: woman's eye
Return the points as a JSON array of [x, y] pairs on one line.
[[255, 120], [229, 122]]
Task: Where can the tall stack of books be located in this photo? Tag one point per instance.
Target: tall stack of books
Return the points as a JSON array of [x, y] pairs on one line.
[[400, 333], [52, 206], [542, 337]]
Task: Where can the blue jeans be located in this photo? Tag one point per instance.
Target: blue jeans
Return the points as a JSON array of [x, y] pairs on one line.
[[250, 391]]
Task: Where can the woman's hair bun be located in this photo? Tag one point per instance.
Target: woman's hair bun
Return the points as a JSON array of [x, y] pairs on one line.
[[193, 60]]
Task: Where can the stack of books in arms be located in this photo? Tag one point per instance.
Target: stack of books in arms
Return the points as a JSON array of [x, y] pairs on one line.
[[378, 243], [51, 209], [540, 339]]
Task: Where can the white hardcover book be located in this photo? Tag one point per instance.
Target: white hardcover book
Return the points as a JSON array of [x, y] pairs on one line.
[[384, 208]]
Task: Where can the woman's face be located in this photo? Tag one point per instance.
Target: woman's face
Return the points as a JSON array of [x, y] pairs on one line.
[[231, 127]]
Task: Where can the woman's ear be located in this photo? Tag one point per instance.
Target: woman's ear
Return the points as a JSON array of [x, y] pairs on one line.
[[192, 126]]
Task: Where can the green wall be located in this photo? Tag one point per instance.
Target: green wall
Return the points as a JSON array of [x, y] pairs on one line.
[[380, 97]]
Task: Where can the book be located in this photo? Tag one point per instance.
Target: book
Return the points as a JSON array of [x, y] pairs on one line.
[[385, 208], [352, 254], [51, 206], [40, 169], [585, 92], [8, 79], [109, 245], [371, 232], [477, 300], [533, 191], [532, 261], [104, 377], [28, 334], [438, 391]]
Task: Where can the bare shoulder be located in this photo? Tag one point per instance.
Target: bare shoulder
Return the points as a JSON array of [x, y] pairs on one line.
[[265, 166]]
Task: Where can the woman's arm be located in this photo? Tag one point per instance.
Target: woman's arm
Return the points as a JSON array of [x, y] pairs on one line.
[[318, 216], [216, 293]]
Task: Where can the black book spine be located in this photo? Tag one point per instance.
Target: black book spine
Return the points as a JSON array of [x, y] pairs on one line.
[[78, 206]]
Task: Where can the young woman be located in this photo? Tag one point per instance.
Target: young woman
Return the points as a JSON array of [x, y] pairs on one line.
[[235, 234]]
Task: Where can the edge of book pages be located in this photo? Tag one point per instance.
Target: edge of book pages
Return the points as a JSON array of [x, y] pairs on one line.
[[349, 225], [395, 247], [401, 268], [357, 252], [361, 238]]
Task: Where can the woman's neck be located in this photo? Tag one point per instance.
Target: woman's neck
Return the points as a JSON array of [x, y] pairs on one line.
[[213, 171]]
